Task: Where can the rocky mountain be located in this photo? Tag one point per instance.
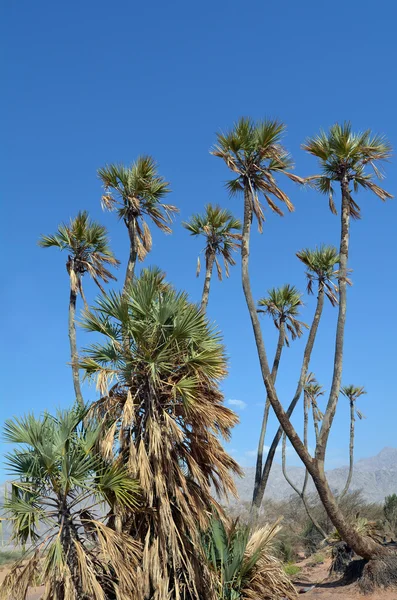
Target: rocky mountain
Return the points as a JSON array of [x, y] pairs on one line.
[[376, 477]]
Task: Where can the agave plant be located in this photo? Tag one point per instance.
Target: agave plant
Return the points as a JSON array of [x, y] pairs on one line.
[[242, 563], [163, 415], [56, 506]]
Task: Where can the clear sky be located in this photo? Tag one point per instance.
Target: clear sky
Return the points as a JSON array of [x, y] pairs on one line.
[[87, 83]]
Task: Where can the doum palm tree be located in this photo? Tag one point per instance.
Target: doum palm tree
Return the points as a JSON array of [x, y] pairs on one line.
[[282, 305], [162, 411], [221, 232], [56, 506], [320, 264], [136, 192], [88, 250], [352, 393], [345, 158]]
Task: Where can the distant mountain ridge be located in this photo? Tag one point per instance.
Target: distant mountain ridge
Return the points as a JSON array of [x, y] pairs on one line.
[[376, 477]]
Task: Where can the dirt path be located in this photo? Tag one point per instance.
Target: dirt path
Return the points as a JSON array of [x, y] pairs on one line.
[[324, 589]]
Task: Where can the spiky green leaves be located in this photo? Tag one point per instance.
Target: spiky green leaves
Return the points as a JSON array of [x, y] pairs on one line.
[[352, 393], [221, 232], [283, 305], [137, 192], [253, 151], [87, 243], [320, 264], [345, 155]]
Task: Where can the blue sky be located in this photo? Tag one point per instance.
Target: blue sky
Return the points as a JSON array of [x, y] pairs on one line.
[[89, 83]]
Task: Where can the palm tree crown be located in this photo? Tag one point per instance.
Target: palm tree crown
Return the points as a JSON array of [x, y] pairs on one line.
[[221, 231], [166, 414], [57, 504], [352, 393], [313, 390], [88, 247], [136, 192], [320, 264], [253, 151], [283, 305], [345, 155]]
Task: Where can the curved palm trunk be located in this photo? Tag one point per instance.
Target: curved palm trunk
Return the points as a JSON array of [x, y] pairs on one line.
[[73, 345], [129, 275], [259, 490], [363, 546], [276, 362], [340, 328], [209, 264], [351, 452], [301, 494]]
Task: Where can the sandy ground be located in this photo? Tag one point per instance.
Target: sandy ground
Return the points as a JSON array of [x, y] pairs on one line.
[[310, 576], [326, 589]]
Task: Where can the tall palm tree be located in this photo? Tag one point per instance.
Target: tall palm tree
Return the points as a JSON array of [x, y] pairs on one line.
[[164, 415], [88, 250], [313, 390], [136, 192], [282, 305], [221, 231], [344, 158], [320, 264], [56, 507], [352, 393]]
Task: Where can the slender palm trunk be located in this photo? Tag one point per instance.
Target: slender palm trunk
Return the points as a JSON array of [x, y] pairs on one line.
[[260, 488], [363, 546], [73, 345], [315, 422], [276, 362], [340, 328], [209, 264], [129, 275], [351, 452]]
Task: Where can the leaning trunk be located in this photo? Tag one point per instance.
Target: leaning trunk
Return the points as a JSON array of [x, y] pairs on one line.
[[276, 362], [210, 258], [129, 275], [363, 546], [351, 453], [259, 490], [73, 344], [340, 328]]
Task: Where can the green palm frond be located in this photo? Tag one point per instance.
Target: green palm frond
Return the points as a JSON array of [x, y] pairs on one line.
[[283, 305], [137, 192], [254, 152], [87, 245], [163, 416], [344, 154], [321, 265], [221, 231], [352, 393]]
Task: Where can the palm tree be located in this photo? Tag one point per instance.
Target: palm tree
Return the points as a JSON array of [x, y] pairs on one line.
[[313, 390], [164, 415], [243, 564], [352, 393], [320, 264], [136, 192], [220, 229], [344, 159], [56, 504], [282, 305], [88, 252]]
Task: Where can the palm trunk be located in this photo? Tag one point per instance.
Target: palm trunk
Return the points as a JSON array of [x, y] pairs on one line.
[[259, 490], [351, 452], [276, 362], [363, 546], [209, 263], [315, 423], [301, 494], [340, 328], [73, 345], [129, 275]]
